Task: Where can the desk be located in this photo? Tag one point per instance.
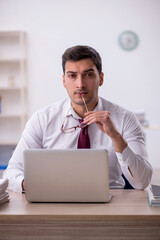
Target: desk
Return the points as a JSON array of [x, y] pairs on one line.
[[128, 216]]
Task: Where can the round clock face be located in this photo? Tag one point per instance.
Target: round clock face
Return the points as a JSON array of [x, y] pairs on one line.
[[128, 40]]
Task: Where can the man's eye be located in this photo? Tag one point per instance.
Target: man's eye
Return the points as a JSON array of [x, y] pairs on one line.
[[72, 75], [89, 75]]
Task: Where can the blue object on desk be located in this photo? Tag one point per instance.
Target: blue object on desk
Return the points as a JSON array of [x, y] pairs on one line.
[[5, 155], [3, 167]]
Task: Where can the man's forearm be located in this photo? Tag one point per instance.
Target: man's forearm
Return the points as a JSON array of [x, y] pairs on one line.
[[119, 143]]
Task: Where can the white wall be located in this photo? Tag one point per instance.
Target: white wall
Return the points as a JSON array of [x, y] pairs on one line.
[[131, 78]]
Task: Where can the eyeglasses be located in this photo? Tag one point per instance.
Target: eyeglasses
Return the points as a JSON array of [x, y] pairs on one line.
[[72, 129]]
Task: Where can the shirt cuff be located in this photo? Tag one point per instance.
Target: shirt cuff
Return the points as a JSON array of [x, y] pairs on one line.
[[19, 184], [126, 157]]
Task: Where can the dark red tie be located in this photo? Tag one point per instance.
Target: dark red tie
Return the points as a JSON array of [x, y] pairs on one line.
[[83, 140]]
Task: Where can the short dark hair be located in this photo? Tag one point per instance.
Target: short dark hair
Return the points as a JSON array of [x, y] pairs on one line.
[[81, 52]]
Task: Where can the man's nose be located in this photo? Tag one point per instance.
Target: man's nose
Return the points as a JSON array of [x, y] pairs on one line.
[[80, 82]]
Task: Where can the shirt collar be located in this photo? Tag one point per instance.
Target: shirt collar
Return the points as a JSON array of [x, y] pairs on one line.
[[69, 111], [99, 106]]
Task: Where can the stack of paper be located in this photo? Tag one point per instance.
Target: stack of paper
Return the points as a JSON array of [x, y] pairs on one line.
[[4, 196], [154, 195]]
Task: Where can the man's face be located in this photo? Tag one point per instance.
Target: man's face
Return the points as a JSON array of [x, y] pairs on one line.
[[81, 78]]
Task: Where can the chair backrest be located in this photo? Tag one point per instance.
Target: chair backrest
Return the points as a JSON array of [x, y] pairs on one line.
[[127, 185]]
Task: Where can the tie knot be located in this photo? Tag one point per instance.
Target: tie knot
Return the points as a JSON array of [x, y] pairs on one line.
[[82, 125], [80, 120]]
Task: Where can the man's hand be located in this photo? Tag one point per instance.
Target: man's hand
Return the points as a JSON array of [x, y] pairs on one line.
[[23, 188], [105, 124], [103, 120]]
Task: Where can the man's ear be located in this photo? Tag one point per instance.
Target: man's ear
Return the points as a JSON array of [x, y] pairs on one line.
[[64, 83], [101, 79]]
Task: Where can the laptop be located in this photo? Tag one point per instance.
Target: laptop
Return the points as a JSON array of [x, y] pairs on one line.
[[77, 175]]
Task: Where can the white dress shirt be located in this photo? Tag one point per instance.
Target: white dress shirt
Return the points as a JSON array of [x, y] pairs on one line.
[[43, 130]]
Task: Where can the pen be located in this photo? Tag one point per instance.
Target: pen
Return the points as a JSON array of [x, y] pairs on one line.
[[84, 103]]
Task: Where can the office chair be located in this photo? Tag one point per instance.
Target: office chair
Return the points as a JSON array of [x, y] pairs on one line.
[[127, 184]]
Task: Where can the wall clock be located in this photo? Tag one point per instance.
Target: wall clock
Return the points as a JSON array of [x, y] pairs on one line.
[[128, 40]]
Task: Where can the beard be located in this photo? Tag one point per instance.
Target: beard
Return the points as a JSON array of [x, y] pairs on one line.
[[89, 99]]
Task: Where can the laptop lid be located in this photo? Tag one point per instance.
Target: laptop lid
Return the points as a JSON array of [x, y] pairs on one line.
[[77, 175]]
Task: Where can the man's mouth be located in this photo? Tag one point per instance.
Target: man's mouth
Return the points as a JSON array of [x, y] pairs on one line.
[[81, 93]]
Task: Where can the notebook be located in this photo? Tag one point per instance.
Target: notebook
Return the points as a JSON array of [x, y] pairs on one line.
[[79, 175]]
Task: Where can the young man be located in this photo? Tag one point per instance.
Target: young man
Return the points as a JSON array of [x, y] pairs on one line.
[[109, 126]]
